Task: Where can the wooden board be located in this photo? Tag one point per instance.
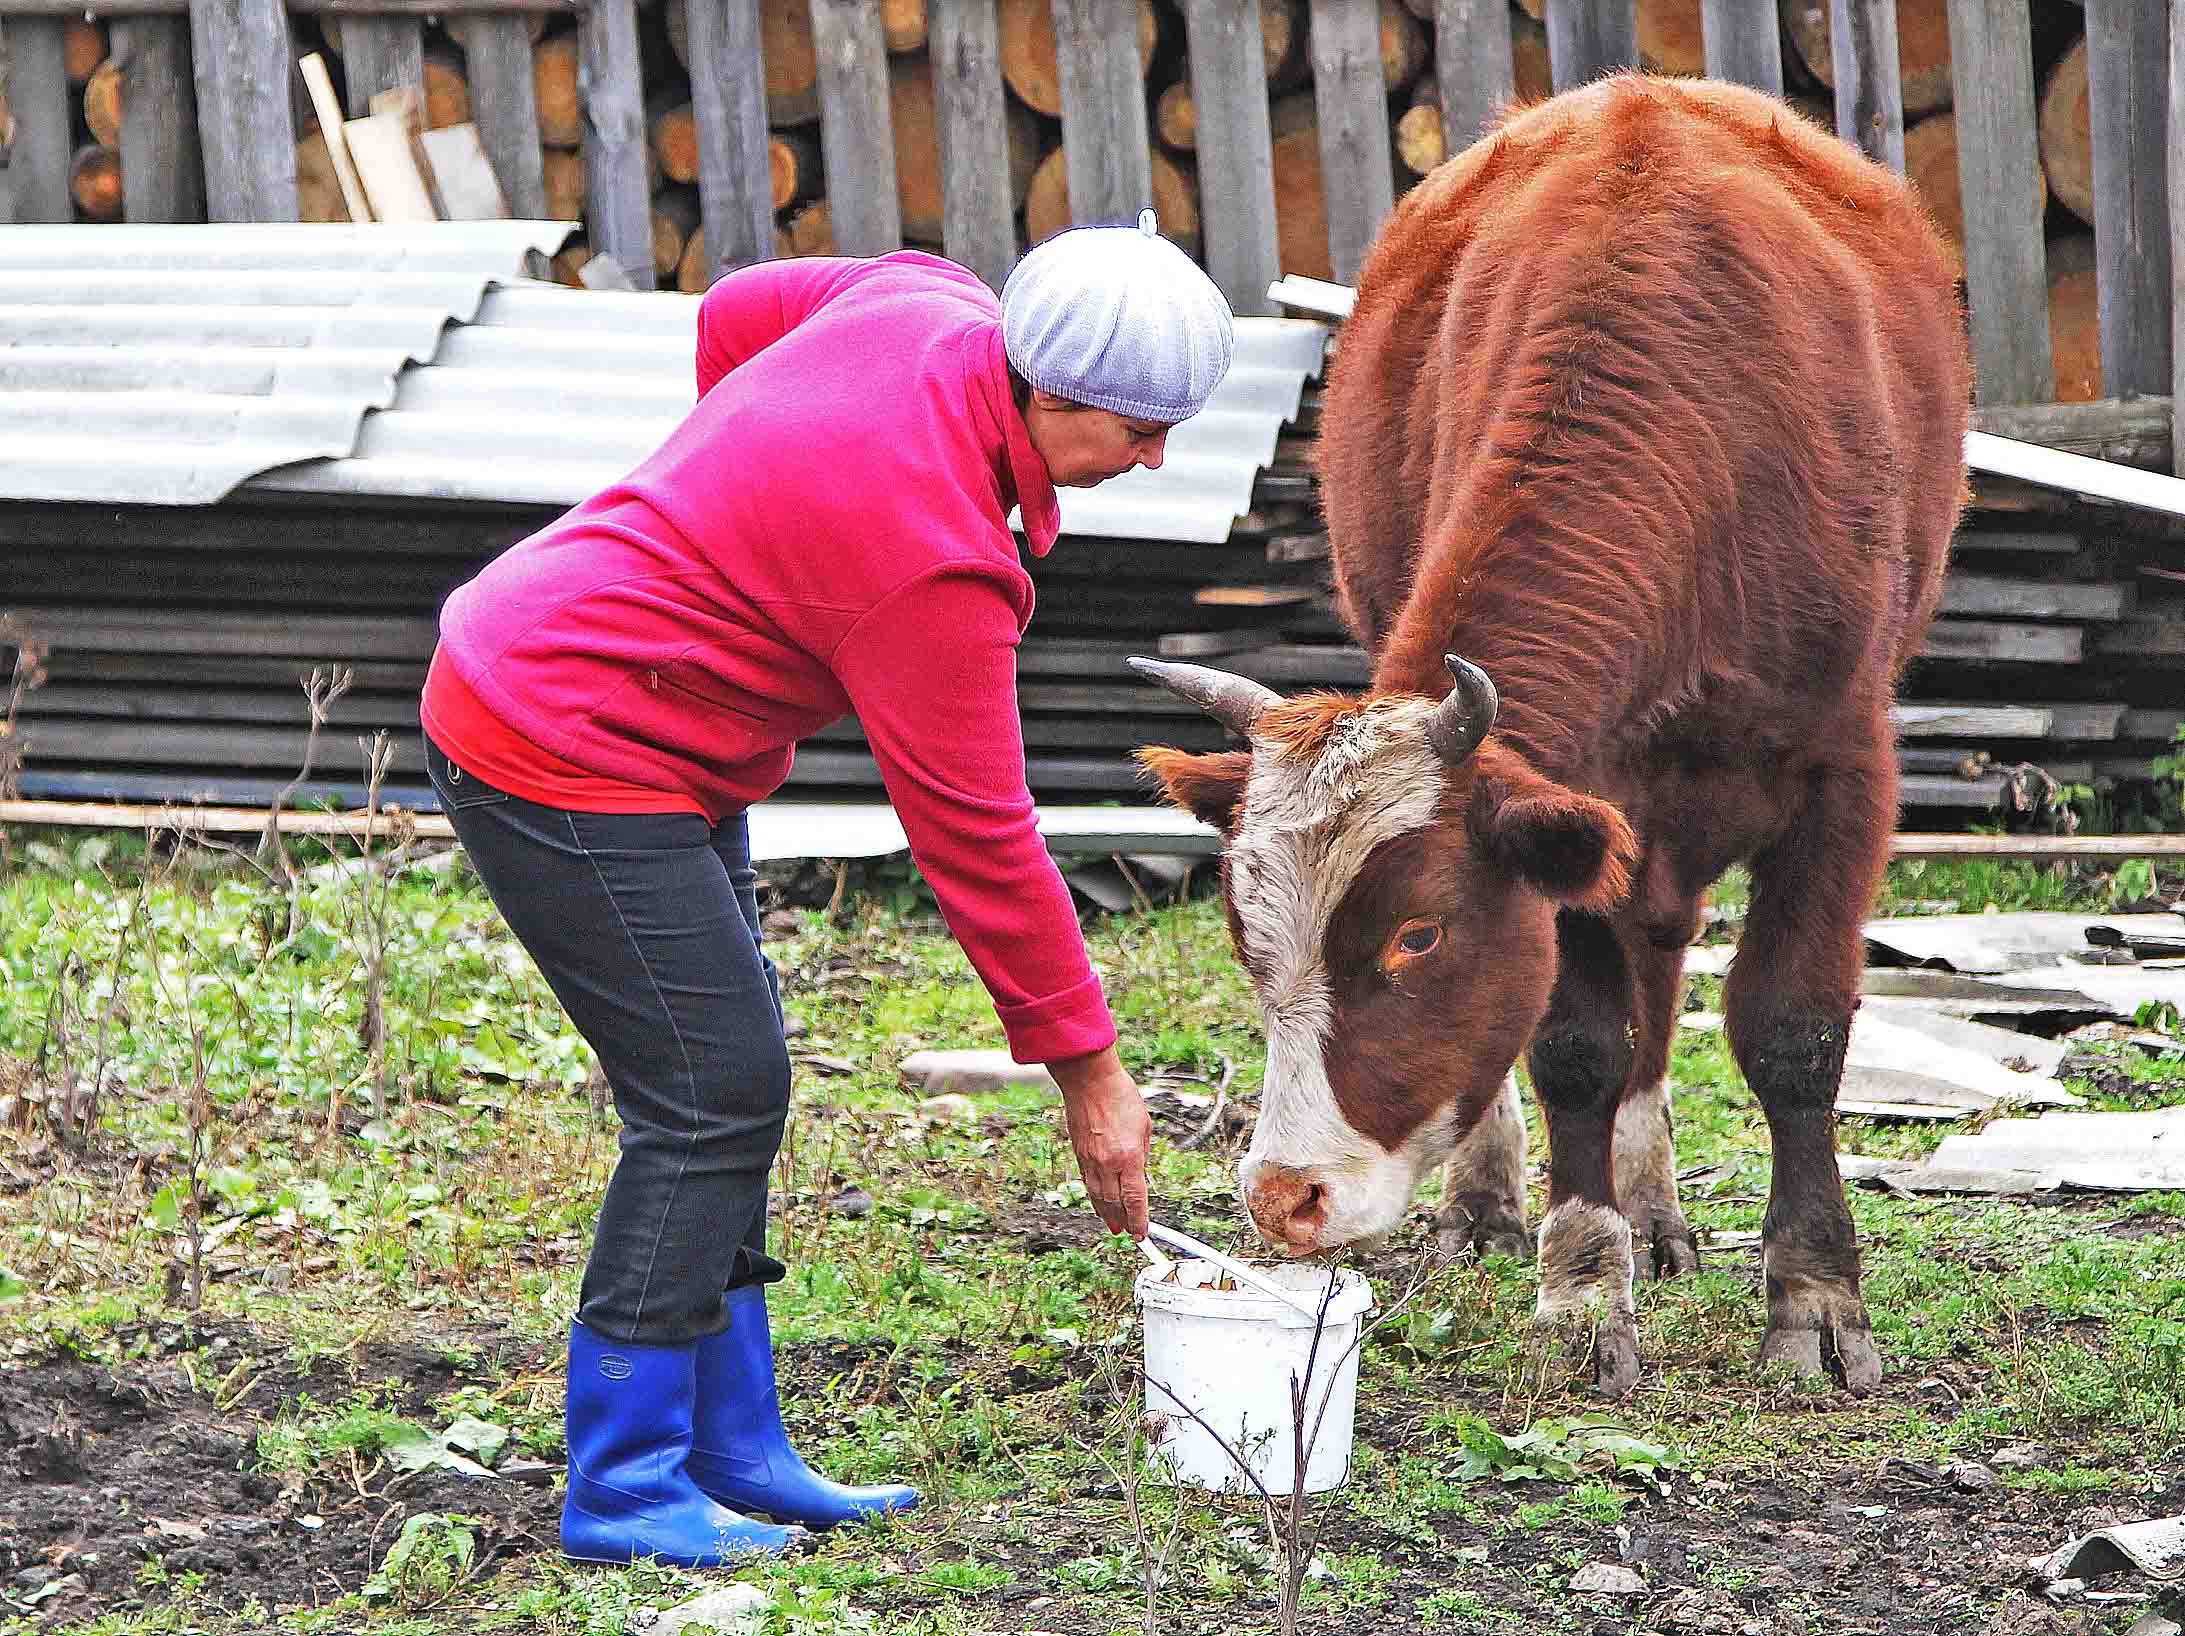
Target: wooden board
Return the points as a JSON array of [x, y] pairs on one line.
[[2083, 723], [504, 102], [728, 101], [1971, 721], [240, 50], [1255, 596], [312, 638], [163, 173], [1869, 80], [1351, 99], [281, 675], [1993, 596], [618, 197], [1971, 762], [1920, 29], [2128, 96], [2153, 640], [462, 175], [856, 132], [978, 206], [1200, 645], [1313, 547], [1999, 185], [1992, 642], [321, 86], [1474, 68], [379, 146], [1290, 665], [363, 708], [1236, 169], [2135, 432], [1104, 132], [1943, 790], [2031, 541], [37, 86], [1743, 42], [1589, 38], [379, 54], [2161, 725]]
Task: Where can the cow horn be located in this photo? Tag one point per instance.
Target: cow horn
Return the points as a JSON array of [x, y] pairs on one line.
[[1462, 719], [1234, 701]]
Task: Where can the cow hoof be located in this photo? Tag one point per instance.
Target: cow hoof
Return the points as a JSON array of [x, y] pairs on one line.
[[1482, 1226], [1662, 1245], [1843, 1351], [1604, 1345], [1670, 1252]]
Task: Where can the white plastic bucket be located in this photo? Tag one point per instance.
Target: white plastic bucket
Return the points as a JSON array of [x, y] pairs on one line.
[[1230, 1352]]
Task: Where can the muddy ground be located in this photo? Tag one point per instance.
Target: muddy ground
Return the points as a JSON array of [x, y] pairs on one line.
[[103, 1467]]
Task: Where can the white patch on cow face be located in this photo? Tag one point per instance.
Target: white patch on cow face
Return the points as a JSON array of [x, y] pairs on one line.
[[1308, 829]]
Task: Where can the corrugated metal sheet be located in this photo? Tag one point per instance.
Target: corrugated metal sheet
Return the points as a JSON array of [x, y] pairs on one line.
[[170, 365], [487, 248], [167, 365], [468, 426]]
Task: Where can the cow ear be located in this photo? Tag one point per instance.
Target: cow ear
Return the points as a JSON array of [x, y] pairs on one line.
[[1576, 850], [1209, 787]]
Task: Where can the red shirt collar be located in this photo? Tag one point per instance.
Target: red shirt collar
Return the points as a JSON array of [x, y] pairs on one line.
[[1026, 479]]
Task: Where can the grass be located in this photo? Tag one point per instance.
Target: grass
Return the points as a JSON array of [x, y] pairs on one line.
[[954, 1333]]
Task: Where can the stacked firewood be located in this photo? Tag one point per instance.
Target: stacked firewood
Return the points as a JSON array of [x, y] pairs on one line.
[[1670, 41]]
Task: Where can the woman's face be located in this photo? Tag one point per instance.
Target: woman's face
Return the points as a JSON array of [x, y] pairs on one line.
[[1082, 445]]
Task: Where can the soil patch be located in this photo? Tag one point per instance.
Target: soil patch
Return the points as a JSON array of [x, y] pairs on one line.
[[104, 1469]]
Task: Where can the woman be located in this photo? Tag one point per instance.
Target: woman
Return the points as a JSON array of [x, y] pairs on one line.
[[827, 531]]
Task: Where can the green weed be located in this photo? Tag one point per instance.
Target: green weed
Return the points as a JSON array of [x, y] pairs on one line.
[[428, 1561], [1459, 1610], [946, 1335], [308, 1436]]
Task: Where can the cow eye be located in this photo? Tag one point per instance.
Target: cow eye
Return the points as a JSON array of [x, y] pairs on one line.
[[1423, 938]]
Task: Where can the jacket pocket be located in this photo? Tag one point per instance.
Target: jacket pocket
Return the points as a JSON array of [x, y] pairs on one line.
[[678, 677]]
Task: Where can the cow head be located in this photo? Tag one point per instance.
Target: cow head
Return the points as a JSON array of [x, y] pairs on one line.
[[1393, 875]]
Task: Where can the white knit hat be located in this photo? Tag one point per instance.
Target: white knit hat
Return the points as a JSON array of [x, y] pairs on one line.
[[1119, 318]]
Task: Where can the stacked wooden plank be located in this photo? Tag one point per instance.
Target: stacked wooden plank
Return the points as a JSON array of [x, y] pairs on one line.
[[695, 134], [2052, 663], [178, 638]]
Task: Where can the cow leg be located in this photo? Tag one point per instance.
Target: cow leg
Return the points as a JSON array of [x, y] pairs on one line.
[[1788, 1007], [1645, 1149], [1580, 1059], [1483, 1185]]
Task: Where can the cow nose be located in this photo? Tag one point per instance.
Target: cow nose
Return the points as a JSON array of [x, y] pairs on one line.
[[1289, 1207]]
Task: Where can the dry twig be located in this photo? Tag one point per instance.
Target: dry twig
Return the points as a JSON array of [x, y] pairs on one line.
[[320, 689]]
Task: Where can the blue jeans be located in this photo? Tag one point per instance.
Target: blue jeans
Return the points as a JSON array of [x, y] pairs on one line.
[[646, 927]]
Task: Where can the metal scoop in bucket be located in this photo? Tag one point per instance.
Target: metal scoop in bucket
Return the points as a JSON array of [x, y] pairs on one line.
[[1240, 1271]]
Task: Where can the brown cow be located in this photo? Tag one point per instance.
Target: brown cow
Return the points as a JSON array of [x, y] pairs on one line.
[[1652, 408]]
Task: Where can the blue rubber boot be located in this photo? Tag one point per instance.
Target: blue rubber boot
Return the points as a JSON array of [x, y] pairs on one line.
[[740, 1453], [629, 1436]]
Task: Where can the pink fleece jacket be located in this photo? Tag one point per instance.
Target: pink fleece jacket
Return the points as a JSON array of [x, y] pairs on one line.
[[828, 531]]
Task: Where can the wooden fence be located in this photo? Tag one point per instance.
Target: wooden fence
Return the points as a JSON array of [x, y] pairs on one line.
[[210, 115]]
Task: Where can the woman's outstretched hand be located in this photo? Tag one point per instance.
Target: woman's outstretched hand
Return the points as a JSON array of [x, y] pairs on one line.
[[1110, 1130]]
